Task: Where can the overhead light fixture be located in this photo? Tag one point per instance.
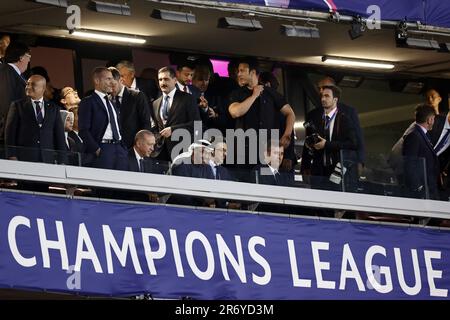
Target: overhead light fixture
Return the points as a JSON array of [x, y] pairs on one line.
[[357, 28], [417, 43], [357, 63], [56, 3], [299, 31], [403, 40], [112, 8], [107, 36], [239, 24], [173, 16]]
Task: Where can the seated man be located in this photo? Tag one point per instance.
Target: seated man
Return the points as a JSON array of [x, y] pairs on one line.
[[268, 173], [139, 155]]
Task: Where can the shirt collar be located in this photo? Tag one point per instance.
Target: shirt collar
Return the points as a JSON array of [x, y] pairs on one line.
[[134, 84], [120, 95], [15, 68], [274, 171], [422, 128], [101, 94], [447, 124], [332, 112], [171, 94], [181, 86], [41, 100], [138, 156]]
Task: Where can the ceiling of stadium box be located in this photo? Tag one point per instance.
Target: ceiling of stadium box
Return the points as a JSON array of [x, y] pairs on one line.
[[204, 36]]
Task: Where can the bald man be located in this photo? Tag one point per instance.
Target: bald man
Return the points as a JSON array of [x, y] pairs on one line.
[[34, 126]]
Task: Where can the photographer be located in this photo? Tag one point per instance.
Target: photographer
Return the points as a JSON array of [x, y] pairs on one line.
[[328, 131]]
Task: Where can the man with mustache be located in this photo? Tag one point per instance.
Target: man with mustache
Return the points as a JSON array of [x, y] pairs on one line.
[[174, 110]]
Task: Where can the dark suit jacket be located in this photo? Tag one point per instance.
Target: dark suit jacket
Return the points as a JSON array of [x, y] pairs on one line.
[[134, 115], [12, 88], [284, 178], [416, 145], [150, 165], [22, 130], [182, 114], [343, 138], [92, 121]]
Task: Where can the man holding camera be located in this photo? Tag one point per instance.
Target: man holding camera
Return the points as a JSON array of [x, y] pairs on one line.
[[328, 131]]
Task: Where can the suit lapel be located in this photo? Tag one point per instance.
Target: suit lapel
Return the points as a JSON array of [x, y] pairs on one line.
[[174, 106], [29, 109], [156, 108], [46, 112], [99, 103], [427, 140]]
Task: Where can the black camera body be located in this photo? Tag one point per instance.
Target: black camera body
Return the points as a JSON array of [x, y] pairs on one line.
[[313, 137]]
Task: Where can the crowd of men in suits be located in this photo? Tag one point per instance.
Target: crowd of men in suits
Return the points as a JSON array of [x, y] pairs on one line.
[[129, 123]]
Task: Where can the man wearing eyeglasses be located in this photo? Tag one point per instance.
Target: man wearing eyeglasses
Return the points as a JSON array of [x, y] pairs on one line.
[[12, 84]]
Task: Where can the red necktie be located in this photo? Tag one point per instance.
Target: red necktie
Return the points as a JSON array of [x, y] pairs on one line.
[[185, 89]]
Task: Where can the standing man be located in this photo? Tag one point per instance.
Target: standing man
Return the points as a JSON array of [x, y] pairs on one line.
[[129, 79], [34, 126], [257, 107], [99, 125], [352, 114], [133, 108], [12, 84], [173, 110], [335, 132], [417, 145]]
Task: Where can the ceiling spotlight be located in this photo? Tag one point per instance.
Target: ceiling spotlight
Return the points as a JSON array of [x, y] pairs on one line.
[[107, 36], [239, 24], [357, 63], [297, 31], [357, 28], [417, 43], [173, 16], [112, 8], [57, 3]]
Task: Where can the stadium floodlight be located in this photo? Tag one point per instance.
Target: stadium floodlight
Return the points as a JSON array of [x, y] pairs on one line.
[[357, 63], [239, 24], [112, 8], [176, 16]]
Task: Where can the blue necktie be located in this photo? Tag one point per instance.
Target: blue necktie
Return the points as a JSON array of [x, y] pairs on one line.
[[112, 120], [443, 142], [39, 117], [165, 108]]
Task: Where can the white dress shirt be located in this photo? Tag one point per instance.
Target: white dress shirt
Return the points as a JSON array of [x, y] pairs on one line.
[[108, 135]]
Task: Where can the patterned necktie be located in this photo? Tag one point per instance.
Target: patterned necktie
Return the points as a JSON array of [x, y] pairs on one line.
[[39, 117], [165, 108], [112, 121], [185, 89]]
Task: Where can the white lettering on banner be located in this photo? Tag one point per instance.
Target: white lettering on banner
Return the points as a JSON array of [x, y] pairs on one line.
[[225, 252], [386, 271], [191, 237], [121, 253], [411, 291], [12, 227], [176, 253], [297, 282], [320, 265], [151, 255], [59, 244], [90, 254], [434, 274], [201, 263], [353, 273], [252, 243]]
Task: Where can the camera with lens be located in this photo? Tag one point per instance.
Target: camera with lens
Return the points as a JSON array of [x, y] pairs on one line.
[[313, 136]]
